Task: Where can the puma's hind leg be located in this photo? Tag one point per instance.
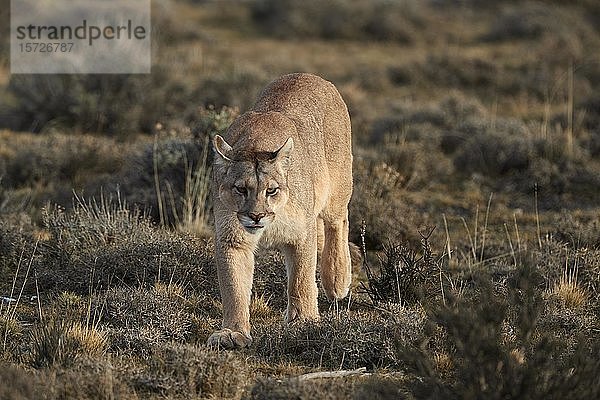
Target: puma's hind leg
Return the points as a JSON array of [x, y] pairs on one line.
[[336, 268]]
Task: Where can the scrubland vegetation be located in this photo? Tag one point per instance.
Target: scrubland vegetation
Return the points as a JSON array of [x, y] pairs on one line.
[[476, 208]]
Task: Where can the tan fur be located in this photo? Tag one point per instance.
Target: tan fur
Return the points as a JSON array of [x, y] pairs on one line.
[[283, 178]]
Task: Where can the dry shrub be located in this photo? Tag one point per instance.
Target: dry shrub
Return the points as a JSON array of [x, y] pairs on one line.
[[210, 121], [88, 378], [346, 341], [170, 177], [485, 366], [567, 291], [326, 389], [559, 34], [493, 155], [16, 383], [140, 319], [399, 21], [96, 102], [403, 276], [57, 158], [578, 232], [512, 157], [481, 76], [104, 241], [558, 261], [233, 87], [380, 202], [524, 23], [185, 371], [424, 122]]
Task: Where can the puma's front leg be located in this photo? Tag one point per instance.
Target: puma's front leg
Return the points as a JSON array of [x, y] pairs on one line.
[[301, 263], [235, 267]]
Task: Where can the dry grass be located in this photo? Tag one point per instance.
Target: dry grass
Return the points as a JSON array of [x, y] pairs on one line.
[[61, 342]]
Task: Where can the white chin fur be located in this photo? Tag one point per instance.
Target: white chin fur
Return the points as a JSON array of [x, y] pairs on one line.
[[252, 226]]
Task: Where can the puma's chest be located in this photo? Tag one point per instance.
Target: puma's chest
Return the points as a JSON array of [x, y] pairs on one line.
[[289, 227]]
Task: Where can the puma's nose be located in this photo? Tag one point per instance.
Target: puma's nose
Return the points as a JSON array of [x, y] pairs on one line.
[[256, 217]]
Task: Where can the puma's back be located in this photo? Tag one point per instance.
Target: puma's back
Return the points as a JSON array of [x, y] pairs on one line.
[[283, 177], [311, 111]]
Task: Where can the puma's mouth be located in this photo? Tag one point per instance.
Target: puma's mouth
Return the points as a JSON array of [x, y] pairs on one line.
[[254, 228], [251, 225]]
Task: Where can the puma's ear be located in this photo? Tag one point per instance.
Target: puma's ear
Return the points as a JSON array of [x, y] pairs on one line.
[[284, 153], [222, 148]]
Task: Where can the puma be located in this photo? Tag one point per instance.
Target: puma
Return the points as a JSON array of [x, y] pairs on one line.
[[282, 177]]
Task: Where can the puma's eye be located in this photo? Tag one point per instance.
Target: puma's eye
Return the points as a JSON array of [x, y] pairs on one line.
[[272, 191], [240, 190]]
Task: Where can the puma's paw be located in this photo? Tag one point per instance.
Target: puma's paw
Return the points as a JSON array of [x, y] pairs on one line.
[[228, 339], [294, 315]]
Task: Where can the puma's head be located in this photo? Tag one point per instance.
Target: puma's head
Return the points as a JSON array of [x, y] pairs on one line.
[[252, 184]]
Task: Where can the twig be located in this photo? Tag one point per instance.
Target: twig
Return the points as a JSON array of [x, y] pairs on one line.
[[537, 216], [332, 374], [487, 213]]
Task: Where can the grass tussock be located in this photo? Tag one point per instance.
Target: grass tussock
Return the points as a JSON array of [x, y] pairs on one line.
[[61, 342]]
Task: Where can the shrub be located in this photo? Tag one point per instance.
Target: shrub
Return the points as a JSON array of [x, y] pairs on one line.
[[347, 341], [493, 155], [483, 77], [210, 121], [92, 103], [578, 232], [98, 242], [170, 179], [485, 365], [233, 87], [16, 383], [58, 158], [404, 277], [277, 389], [378, 201], [335, 19], [186, 371], [141, 319], [87, 378], [522, 23]]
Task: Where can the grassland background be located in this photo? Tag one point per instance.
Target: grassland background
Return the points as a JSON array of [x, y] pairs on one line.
[[481, 119]]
